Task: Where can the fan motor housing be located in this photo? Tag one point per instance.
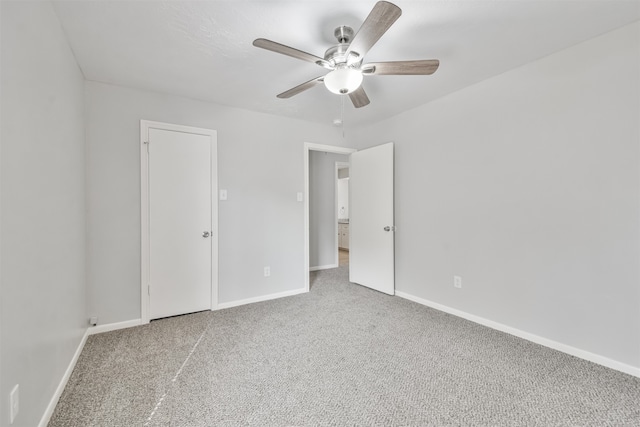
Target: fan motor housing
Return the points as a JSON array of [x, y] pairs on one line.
[[338, 54]]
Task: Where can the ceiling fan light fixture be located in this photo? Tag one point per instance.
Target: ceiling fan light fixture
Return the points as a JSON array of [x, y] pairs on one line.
[[343, 80]]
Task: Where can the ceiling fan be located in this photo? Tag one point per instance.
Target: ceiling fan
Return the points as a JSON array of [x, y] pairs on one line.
[[345, 59]]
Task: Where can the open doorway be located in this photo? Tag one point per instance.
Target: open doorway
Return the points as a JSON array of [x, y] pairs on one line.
[[324, 234]]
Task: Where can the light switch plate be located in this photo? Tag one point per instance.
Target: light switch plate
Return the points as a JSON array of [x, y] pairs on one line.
[[299, 196], [223, 194]]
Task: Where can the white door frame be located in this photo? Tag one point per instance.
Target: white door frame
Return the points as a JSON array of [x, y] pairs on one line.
[[309, 146], [145, 125]]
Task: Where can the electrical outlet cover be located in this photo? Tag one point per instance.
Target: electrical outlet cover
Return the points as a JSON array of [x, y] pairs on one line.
[[457, 282]]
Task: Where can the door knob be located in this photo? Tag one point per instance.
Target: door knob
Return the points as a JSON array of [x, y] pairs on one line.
[[205, 234], [392, 228]]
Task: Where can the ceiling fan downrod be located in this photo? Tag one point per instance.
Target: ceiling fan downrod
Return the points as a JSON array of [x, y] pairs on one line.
[[344, 34]]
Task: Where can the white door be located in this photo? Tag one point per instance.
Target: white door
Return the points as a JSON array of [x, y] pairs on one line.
[[180, 222], [371, 228]]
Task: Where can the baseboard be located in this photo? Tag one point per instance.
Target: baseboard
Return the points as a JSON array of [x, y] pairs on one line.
[[323, 267], [261, 298], [63, 383], [114, 326], [573, 351]]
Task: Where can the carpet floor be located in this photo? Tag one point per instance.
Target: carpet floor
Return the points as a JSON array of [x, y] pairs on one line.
[[341, 355]]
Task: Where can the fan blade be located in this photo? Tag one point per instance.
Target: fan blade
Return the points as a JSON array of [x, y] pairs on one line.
[[380, 19], [289, 51], [421, 67], [301, 88], [359, 97]]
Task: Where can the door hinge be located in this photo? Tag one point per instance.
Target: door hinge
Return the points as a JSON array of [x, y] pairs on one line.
[[149, 290]]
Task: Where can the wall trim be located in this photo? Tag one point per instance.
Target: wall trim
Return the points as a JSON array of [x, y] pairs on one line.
[[46, 417], [107, 327], [237, 303], [323, 267], [573, 351]]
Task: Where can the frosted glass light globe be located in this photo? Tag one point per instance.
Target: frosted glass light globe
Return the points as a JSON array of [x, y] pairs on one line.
[[343, 80]]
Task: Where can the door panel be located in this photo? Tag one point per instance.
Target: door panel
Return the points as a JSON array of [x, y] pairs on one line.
[[371, 251], [179, 213]]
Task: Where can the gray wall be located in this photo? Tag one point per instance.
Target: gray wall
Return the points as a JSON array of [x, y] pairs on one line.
[[43, 220], [260, 164], [526, 185], [322, 208]]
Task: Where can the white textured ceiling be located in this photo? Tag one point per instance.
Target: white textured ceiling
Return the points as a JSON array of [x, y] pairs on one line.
[[203, 50]]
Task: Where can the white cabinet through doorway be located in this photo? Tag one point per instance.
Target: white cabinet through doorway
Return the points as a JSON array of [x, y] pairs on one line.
[[343, 236]]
